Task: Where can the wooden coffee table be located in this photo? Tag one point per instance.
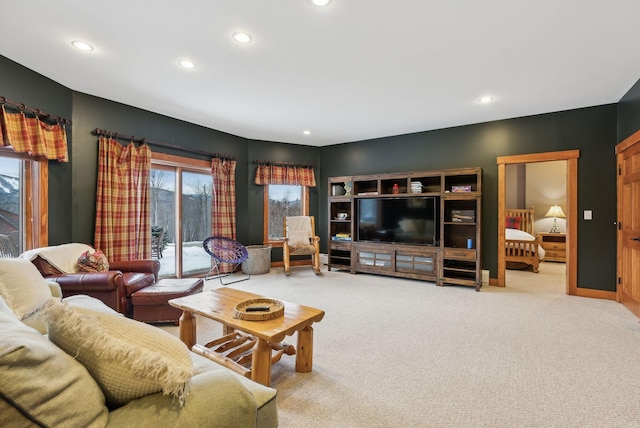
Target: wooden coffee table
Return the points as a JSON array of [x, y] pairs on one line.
[[261, 336]]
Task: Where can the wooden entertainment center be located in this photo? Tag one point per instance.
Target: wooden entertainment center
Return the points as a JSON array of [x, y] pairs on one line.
[[453, 257]]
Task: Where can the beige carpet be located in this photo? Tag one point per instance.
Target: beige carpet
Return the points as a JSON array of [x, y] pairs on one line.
[[401, 353]]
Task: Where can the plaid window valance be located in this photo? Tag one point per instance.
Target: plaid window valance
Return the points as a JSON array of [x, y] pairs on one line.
[[32, 136], [285, 174]]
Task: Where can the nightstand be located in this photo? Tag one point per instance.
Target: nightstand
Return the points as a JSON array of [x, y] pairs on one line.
[[555, 246]]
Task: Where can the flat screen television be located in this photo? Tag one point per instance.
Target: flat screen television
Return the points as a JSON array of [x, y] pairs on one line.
[[410, 220]]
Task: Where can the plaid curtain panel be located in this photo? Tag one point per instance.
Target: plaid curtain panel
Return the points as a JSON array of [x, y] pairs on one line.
[[223, 204], [31, 135], [123, 227], [285, 174]]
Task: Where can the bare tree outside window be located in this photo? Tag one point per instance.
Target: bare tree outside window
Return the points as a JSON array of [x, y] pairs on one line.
[[11, 210], [197, 191], [194, 198], [23, 203], [284, 200], [163, 201]]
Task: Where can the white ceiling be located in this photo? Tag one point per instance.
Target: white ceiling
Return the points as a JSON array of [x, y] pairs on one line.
[[354, 70]]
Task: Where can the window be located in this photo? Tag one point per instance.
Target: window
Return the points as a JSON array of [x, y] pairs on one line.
[[23, 202], [184, 215], [281, 200]]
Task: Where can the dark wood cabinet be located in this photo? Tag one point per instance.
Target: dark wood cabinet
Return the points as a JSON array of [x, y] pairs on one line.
[[407, 261], [461, 232], [555, 246], [340, 224], [453, 259]]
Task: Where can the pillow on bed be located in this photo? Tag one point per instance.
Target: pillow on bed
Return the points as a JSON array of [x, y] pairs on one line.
[[513, 222], [519, 235]]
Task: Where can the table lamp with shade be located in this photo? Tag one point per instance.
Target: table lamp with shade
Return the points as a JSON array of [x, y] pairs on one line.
[[555, 211]]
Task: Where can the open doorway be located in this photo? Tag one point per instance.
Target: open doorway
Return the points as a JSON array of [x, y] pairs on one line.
[[571, 158], [536, 198]]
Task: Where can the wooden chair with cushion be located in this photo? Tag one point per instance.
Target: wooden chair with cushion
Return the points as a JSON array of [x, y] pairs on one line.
[[300, 239]]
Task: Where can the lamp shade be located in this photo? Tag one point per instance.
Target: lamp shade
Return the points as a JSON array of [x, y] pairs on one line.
[[555, 211]]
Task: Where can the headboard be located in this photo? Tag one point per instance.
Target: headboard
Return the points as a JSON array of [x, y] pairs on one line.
[[527, 216]]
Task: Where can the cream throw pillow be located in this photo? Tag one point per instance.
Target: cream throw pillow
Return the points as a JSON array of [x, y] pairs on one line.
[[22, 287], [298, 239], [41, 382], [127, 358], [63, 257], [298, 230]]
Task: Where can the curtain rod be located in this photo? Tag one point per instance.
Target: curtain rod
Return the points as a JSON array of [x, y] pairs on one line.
[[276, 163], [35, 111], [118, 136]]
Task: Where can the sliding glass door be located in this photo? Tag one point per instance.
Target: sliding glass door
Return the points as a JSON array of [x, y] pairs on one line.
[[182, 217], [196, 221]]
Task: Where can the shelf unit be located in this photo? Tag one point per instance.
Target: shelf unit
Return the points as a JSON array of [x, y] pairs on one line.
[[430, 183], [454, 260], [340, 225], [460, 233]]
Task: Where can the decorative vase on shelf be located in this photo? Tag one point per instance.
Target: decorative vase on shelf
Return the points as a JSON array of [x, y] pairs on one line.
[[347, 188]]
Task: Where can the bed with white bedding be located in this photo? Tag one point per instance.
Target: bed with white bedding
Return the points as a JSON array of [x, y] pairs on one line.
[[522, 248]]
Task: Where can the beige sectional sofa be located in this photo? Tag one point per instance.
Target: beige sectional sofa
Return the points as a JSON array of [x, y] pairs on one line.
[[75, 362]]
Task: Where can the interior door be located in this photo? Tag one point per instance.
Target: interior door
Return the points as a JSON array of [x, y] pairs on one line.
[[628, 187]]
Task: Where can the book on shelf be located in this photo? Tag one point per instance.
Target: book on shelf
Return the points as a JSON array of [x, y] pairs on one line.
[[463, 216], [341, 237]]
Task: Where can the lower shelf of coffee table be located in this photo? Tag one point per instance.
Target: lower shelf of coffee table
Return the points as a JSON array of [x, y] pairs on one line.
[[235, 351]]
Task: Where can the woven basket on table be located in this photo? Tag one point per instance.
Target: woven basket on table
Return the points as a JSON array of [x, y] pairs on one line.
[[276, 309]]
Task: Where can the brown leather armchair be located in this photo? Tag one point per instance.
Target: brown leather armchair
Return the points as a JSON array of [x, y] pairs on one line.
[[114, 287]]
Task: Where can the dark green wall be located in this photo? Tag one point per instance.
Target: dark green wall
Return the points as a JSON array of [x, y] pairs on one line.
[[91, 112], [594, 131], [629, 112], [261, 150], [591, 130]]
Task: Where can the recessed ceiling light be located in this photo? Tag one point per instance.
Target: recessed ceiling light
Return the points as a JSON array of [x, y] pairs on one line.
[[306, 132], [83, 46], [320, 2], [185, 63], [486, 99], [241, 37]]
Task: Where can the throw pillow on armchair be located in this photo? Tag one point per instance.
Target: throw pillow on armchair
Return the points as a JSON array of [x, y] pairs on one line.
[[93, 262]]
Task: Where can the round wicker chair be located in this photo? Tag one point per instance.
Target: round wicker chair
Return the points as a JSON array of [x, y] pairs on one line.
[[228, 251]]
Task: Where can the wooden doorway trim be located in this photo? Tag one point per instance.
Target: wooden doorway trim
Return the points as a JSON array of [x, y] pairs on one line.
[[571, 156]]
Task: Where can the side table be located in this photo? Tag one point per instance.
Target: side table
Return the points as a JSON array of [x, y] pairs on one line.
[[555, 246]]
